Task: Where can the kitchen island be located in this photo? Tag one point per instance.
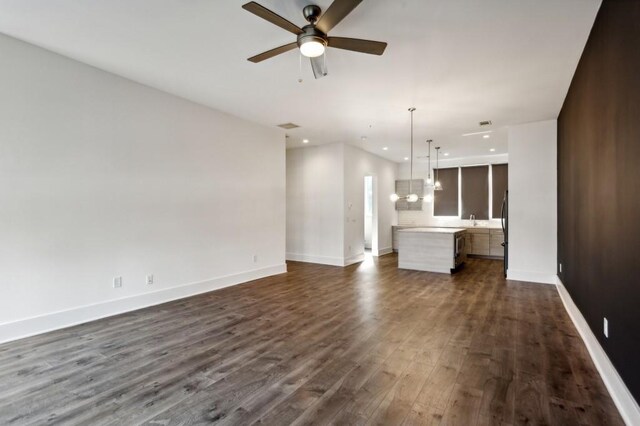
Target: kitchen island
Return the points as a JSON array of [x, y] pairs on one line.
[[431, 249]]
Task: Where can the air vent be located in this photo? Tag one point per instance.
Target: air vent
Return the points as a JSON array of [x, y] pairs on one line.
[[288, 126], [485, 123]]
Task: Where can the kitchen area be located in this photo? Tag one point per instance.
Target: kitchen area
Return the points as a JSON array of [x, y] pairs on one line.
[[461, 211]]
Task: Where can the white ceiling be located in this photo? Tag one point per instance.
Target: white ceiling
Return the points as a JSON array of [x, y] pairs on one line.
[[456, 61]]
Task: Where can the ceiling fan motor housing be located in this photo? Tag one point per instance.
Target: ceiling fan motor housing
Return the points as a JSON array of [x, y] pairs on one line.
[[311, 33]]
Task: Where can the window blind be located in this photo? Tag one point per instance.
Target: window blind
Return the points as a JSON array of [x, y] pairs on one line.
[[445, 202], [475, 192]]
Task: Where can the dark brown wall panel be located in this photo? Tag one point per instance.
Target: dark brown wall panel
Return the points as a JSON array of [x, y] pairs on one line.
[[599, 185]]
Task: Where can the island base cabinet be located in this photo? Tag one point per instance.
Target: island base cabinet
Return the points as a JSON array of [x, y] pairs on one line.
[[433, 252]]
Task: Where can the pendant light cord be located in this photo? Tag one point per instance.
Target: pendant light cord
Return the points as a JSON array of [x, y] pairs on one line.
[[429, 157], [437, 163], [411, 169]]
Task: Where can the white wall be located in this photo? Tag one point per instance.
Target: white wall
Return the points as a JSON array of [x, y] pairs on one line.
[[103, 177], [357, 165], [425, 216], [325, 203], [315, 207], [533, 202]]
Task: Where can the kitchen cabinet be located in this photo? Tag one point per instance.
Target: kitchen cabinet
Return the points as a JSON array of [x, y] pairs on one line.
[[496, 238], [485, 242], [402, 189], [477, 241]]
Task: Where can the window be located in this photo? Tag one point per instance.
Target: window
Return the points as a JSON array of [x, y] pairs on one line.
[[475, 192], [499, 185], [445, 202]]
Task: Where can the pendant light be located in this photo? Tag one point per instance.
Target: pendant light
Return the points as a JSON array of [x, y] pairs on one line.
[[429, 181], [412, 197], [428, 198], [437, 186]]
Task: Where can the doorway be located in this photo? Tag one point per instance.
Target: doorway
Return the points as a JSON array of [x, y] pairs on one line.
[[370, 217]]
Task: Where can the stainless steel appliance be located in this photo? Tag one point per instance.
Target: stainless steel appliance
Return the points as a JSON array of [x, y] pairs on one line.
[[459, 254], [504, 220]]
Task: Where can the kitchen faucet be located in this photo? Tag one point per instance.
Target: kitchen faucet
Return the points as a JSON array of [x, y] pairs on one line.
[[473, 218]]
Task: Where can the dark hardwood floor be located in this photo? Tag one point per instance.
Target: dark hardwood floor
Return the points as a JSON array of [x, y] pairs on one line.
[[364, 344]]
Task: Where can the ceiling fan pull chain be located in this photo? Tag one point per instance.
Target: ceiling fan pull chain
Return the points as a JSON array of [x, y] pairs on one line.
[[324, 59], [300, 68]]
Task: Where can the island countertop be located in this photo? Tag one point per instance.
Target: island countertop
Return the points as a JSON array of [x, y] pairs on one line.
[[433, 230]]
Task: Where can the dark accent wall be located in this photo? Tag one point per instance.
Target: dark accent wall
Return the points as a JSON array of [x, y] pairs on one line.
[[599, 185]]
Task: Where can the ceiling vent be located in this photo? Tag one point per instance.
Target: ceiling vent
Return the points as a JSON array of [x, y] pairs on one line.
[[485, 123], [288, 126]]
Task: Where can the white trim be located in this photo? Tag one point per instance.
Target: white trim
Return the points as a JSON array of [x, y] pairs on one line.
[[56, 320], [531, 276], [353, 259], [386, 250], [323, 260], [626, 404]]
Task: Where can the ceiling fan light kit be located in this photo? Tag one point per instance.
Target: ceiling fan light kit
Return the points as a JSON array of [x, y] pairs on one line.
[[312, 39]]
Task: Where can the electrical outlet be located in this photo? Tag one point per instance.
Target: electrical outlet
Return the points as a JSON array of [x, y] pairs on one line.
[[560, 267], [606, 328], [149, 279], [117, 282], [255, 258]]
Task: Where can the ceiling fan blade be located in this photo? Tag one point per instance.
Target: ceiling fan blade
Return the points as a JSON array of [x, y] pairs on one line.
[[319, 66], [338, 10], [272, 17], [273, 52], [358, 45]]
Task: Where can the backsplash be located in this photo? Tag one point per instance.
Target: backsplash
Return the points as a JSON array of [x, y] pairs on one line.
[[424, 218]]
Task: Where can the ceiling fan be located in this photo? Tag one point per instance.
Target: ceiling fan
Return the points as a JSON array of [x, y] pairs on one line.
[[312, 38]]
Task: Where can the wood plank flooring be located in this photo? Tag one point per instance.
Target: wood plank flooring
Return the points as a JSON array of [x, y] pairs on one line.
[[366, 344]]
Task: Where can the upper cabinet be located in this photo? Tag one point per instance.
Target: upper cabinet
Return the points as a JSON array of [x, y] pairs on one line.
[[402, 189]]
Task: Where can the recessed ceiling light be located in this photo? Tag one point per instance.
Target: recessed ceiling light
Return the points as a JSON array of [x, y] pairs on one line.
[[406, 158], [492, 150], [305, 140], [446, 154], [364, 138], [486, 136], [477, 133], [385, 148]]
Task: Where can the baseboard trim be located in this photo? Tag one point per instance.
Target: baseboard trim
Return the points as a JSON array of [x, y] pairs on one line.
[[323, 260], [57, 320], [353, 259], [624, 401], [384, 251], [530, 276]]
